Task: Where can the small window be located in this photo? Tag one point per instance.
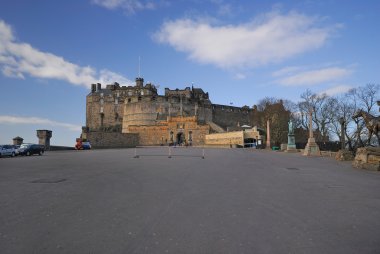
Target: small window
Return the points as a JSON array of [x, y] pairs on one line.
[[129, 99]]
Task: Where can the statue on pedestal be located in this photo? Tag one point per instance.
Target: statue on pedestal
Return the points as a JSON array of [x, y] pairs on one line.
[[291, 140]]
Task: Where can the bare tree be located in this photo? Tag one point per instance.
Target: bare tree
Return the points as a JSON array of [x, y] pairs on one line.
[[364, 98], [273, 109], [321, 105]]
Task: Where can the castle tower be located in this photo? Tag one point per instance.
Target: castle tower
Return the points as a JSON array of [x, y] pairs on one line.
[[44, 138], [139, 82], [17, 141]]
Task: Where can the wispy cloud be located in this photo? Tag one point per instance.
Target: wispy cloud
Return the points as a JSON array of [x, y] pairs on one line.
[[19, 59], [313, 77], [129, 6], [270, 38], [290, 70], [337, 90], [5, 119]]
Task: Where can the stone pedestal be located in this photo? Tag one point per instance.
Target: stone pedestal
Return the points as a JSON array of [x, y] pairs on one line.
[[311, 149], [291, 148], [344, 155], [367, 158], [44, 138]]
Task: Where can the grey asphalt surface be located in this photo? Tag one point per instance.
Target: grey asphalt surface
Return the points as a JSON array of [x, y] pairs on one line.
[[233, 201]]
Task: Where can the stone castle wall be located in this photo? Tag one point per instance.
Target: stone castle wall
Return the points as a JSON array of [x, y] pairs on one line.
[[228, 138], [168, 132], [101, 139], [228, 116], [150, 112]]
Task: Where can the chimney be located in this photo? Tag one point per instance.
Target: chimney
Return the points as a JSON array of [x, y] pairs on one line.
[[99, 87], [93, 88]]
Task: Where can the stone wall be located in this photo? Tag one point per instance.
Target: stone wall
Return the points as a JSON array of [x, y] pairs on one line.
[[168, 132], [228, 138], [99, 139], [228, 116]]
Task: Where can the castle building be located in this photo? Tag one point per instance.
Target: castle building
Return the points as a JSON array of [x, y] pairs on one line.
[[138, 114]]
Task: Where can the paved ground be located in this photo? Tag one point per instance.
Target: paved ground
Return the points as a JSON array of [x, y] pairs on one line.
[[233, 201]]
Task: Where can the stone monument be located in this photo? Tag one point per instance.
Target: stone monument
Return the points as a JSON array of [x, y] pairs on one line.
[[291, 147], [44, 138], [368, 157], [311, 149], [267, 145]]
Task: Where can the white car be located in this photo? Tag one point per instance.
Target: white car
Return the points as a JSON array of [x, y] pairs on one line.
[[7, 150]]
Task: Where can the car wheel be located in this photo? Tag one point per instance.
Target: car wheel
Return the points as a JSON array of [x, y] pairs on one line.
[[40, 153], [13, 154], [28, 153]]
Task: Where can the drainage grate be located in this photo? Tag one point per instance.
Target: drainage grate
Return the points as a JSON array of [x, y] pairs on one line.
[[292, 168], [59, 180]]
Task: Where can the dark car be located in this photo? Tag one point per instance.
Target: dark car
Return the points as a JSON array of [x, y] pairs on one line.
[[30, 149]]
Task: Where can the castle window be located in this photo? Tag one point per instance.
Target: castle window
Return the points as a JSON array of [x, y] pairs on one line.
[[139, 98], [129, 99]]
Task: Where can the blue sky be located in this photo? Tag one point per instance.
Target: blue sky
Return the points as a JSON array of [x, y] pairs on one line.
[[238, 51]]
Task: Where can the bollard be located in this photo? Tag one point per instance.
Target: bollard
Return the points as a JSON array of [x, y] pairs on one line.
[[203, 153], [170, 153], [136, 156]]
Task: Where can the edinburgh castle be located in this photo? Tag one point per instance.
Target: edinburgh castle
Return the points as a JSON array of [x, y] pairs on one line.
[[125, 116]]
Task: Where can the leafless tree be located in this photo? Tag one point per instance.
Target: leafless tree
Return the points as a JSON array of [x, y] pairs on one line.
[[321, 106]]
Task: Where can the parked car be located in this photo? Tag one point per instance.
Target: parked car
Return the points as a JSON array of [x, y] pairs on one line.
[[82, 145], [86, 145], [7, 150], [30, 149], [17, 151]]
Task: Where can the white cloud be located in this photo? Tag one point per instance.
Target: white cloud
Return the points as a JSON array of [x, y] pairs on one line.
[[5, 119], [18, 59], [130, 6], [337, 90], [287, 71], [270, 38], [313, 77], [240, 76]]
